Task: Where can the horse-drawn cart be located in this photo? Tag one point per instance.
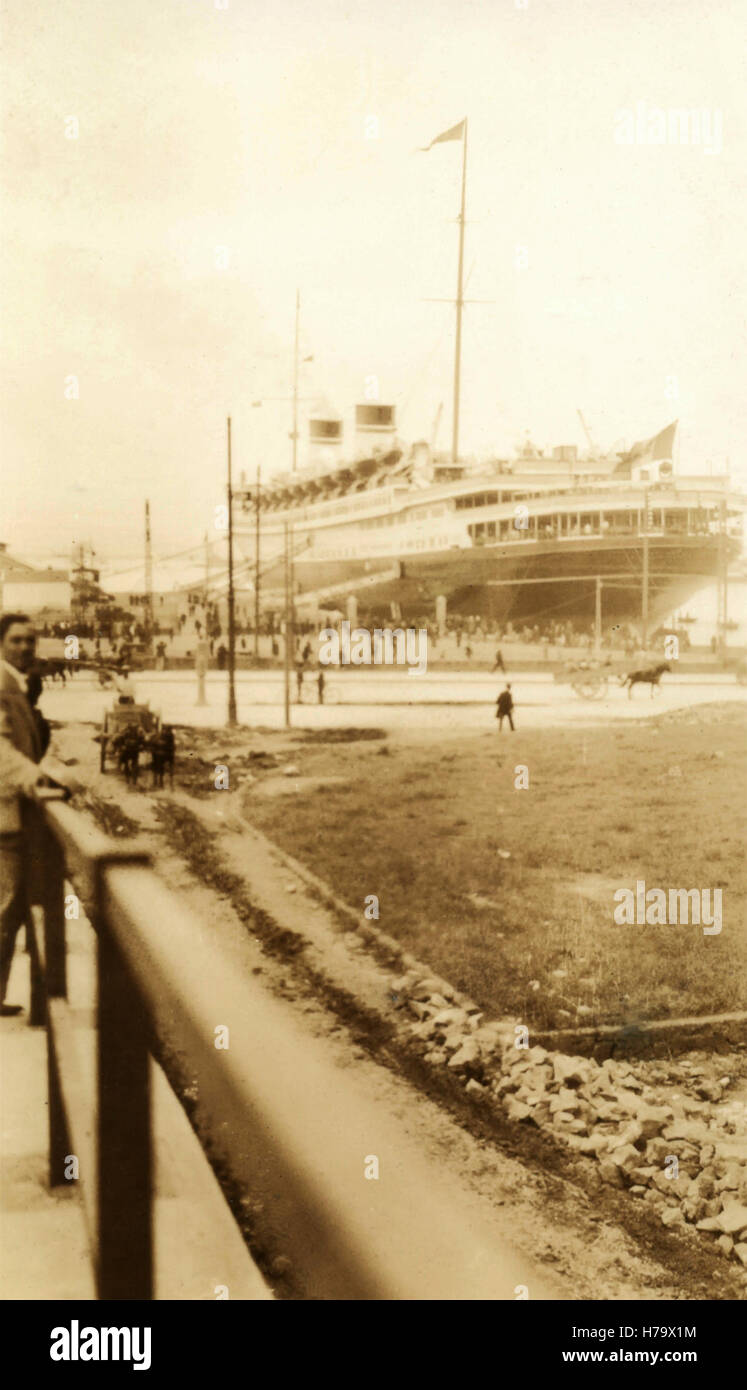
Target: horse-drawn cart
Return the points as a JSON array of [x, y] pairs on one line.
[[121, 717], [589, 679]]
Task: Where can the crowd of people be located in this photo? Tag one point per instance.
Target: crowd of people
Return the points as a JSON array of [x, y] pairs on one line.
[[552, 633], [462, 638]]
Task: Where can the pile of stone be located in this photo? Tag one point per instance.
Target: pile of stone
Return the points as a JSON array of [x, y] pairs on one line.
[[660, 1130]]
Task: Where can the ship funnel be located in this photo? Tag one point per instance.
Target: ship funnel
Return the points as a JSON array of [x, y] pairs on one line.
[[372, 420], [565, 453], [325, 438]]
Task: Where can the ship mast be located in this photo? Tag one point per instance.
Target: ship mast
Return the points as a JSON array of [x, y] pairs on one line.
[[294, 435], [459, 306], [148, 606]]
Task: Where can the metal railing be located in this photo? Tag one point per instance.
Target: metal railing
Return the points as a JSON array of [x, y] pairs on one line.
[[297, 1131], [111, 1137]]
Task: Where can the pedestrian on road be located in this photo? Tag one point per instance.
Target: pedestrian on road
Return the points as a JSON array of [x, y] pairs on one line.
[[125, 687], [504, 708], [499, 662], [320, 683], [299, 680]]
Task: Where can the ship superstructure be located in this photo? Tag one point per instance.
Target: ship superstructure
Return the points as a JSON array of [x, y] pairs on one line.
[[522, 536]]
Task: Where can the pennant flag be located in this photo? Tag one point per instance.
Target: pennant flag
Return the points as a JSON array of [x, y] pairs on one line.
[[456, 133]]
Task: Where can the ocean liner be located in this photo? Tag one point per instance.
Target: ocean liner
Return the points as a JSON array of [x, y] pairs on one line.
[[522, 539]]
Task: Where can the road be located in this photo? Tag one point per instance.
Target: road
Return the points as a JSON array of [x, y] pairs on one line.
[[388, 699]]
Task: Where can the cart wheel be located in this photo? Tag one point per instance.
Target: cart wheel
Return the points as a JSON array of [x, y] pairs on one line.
[[588, 689], [594, 690]]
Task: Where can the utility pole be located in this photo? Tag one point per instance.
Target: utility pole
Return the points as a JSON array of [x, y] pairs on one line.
[[202, 657], [292, 573], [288, 633], [256, 572], [207, 572], [459, 307], [295, 384], [598, 618], [148, 607], [232, 720], [723, 582], [644, 592]]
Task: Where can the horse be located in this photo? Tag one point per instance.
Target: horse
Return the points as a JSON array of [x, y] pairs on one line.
[[162, 752], [128, 746], [650, 676], [51, 668]]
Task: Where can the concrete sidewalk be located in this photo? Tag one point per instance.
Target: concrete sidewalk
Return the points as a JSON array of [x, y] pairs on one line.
[[44, 1244], [43, 1240]]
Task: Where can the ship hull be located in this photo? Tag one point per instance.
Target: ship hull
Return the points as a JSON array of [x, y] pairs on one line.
[[526, 582]]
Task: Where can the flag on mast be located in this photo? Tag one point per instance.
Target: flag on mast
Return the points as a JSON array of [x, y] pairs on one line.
[[456, 133], [658, 449]]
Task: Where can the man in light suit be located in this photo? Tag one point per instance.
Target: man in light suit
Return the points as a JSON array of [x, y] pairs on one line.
[[22, 768]]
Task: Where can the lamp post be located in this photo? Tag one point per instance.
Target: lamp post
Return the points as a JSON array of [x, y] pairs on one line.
[[232, 719], [288, 625], [645, 576], [202, 657], [256, 572]]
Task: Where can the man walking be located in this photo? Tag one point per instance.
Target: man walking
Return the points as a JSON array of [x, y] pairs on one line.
[[504, 708], [22, 736]]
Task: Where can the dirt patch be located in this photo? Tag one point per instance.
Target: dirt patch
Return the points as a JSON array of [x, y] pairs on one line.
[[294, 786], [322, 736], [109, 815]]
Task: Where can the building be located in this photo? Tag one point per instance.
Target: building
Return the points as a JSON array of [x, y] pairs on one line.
[[40, 593]]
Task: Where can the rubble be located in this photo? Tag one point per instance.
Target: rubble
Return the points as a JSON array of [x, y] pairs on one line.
[[667, 1132], [467, 1056], [733, 1219], [671, 1216]]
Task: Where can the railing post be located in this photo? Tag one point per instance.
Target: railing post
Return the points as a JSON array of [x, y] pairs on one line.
[[37, 1003], [55, 982], [125, 1240]]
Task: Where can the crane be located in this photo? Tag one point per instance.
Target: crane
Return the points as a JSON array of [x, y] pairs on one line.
[[436, 423], [594, 448]]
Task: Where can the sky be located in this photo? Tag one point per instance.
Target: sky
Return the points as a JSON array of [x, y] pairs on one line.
[[174, 170]]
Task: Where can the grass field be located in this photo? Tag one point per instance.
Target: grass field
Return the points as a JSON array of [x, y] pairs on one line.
[[509, 893]]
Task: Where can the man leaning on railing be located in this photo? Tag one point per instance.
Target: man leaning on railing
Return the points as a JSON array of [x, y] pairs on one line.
[[24, 766]]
